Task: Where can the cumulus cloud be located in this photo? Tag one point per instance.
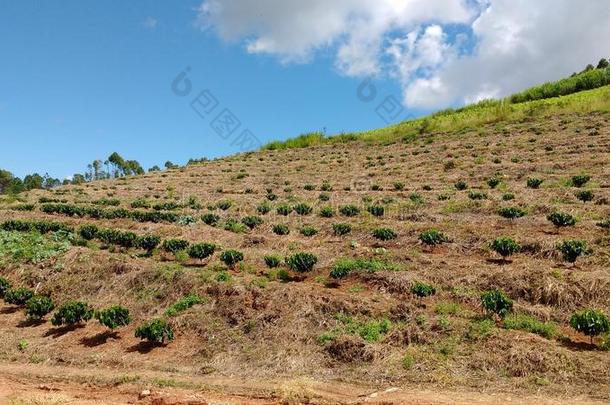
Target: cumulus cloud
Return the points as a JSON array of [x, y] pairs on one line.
[[442, 52]]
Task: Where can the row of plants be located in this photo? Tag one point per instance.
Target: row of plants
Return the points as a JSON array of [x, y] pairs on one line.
[[103, 213]]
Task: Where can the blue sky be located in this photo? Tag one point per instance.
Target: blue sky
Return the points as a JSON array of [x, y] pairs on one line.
[[81, 79]]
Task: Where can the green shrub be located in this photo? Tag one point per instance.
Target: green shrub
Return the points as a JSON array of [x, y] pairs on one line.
[[309, 187], [72, 313], [231, 257], [398, 186], [252, 221], [460, 185], [505, 246], [349, 210], [302, 262], [416, 198], [88, 232], [534, 182], [5, 285], [327, 212], [585, 195], [155, 331], [284, 209], [511, 212], [343, 267], [233, 225], [342, 229], [530, 324], [433, 237], [384, 234], [281, 229], [272, 261], [376, 210], [18, 296], [580, 180], [201, 250], [140, 203], [38, 307], [224, 205], [210, 219], [423, 290], [308, 231], [508, 197], [148, 242], [480, 329], [493, 182], [324, 197], [604, 224], [175, 245], [303, 209], [326, 186], [183, 304], [561, 219], [477, 195], [572, 249], [590, 322], [497, 302], [263, 208], [113, 317]]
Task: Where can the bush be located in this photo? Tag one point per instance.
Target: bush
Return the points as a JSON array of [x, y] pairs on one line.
[[263, 209], [175, 245], [201, 250], [5, 285], [113, 317], [342, 229], [581, 180], [272, 261], [572, 249], [233, 225], [231, 257], [72, 313], [302, 262], [155, 331], [224, 205], [281, 229], [384, 234], [398, 186], [561, 219], [326, 186], [376, 210], [505, 246], [493, 182], [252, 221], [284, 209], [183, 304], [511, 212], [585, 195], [303, 209], [210, 219], [349, 210], [423, 290], [604, 224], [308, 231], [497, 302], [433, 237], [324, 197], [327, 212], [590, 322], [148, 242], [534, 182], [508, 197], [38, 307], [460, 185], [88, 232], [477, 195], [529, 324], [18, 296]]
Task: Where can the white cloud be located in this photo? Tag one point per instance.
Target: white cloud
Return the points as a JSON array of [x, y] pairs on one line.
[[517, 42], [150, 23]]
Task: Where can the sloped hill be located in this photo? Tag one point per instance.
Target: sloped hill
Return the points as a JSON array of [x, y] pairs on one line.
[[363, 207]]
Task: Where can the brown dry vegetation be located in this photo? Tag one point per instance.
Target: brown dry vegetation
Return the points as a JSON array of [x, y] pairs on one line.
[[256, 326]]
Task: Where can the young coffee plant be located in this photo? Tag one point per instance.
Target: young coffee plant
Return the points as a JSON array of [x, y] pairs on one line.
[[342, 229], [572, 249], [423, 290], [156, 331], [433, 237], [493, 182], [561, 219], [302, 262], [376, 210], [327, 212], [231, 257], [272, 261], [113, 317], [534, 182], [148, 243], [38, 307], [477, 195], [460, 185], [497, 302], [303, 209], [175, 245], [505, 247], [252, 221], [349, 210], [72, 313], [580, 180], [590, 322], [201, 251], [585, 195], [224, 205], [18, 296], [384, 234], [398, 186], [324, 197], [283, 209], [309, 231], [263, 208], [4, 286], [210, 219], [281, 229], [508, 197], [88, 232], [511, 212]]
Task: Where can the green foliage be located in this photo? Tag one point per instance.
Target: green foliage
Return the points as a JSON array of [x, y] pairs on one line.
[[18, 296], [233, 225], [252, 221], [493, 182], [308, 231], [303, 209], [38, 306], [32, 247], [224, 205], [460, 185], [343, 267], [184, 303], [585, 195], [148, 242], [371, 331], [433, 237], [530, 324], [572, 249], [72, 313], [342, 229], [210, 219], [349, 210], [580, 180], [175, 245], [561, 219], [384, 234], [534, 182], [508, 197], [423, 290], [140, 203], [281, 229], [590, 322], [497, 302], [376, 210], [327, 212], [477, 195], [113, 317], [398, 186], [116, 237], [284, 209], [4, 286], [302, 262], [88, 232], [505, 246], [272, 261], [201, 250], [480, 329], [263, 208], [511, 212], [604, 224], [155, 331], [231, 257]]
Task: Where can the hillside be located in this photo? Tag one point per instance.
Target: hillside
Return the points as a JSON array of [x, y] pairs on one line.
[[386, 302]]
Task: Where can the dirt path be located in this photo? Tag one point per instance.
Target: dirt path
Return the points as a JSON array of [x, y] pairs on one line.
[[38, 384]]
